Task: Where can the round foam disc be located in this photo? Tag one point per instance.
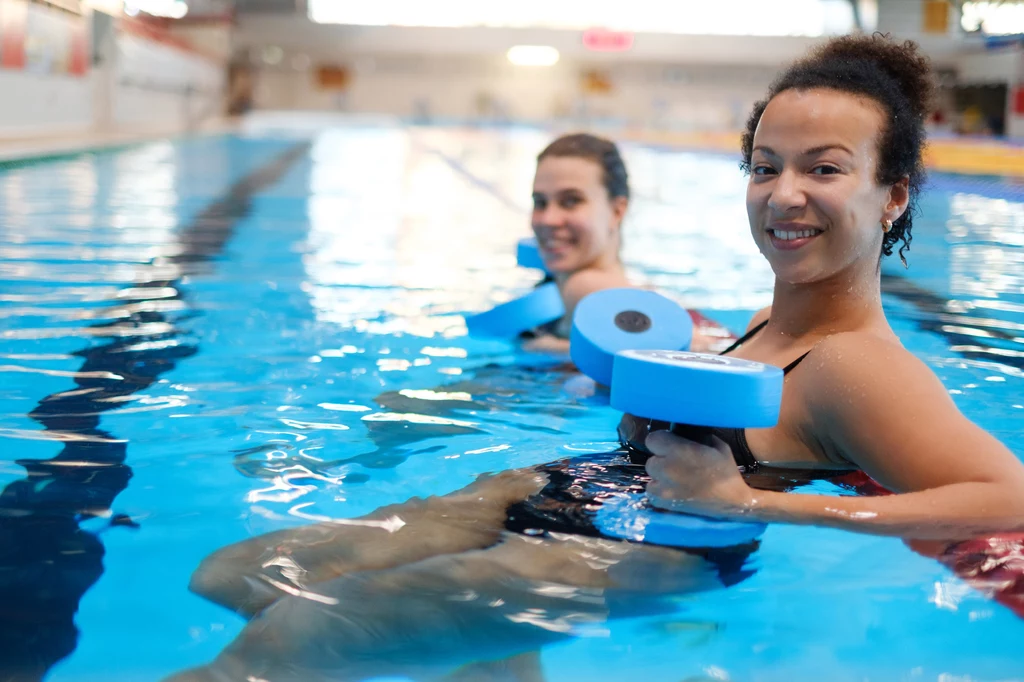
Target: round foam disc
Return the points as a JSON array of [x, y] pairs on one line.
[[608, 321], [696, 388], [540, 306], [528, 254], [631, 517]]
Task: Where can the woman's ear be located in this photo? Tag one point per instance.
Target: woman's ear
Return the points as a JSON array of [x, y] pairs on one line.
[[899, 197], [619, 206]]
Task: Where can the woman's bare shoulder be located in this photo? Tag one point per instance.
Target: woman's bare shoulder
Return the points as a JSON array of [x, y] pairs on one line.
[[580, 284], [865, 359], [760, 316], [875, 404]]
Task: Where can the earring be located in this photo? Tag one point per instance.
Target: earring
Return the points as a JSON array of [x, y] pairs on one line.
[[886, 225]]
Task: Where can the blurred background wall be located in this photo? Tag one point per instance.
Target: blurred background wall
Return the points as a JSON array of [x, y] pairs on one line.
[[688, 66]]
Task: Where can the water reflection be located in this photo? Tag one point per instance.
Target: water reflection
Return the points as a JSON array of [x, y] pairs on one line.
[[48, 560]]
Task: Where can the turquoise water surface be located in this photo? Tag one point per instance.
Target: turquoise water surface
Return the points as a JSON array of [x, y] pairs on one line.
[[193, 335]]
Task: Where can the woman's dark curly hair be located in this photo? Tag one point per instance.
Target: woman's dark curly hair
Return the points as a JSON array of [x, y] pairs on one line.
[[599, 150], [898, 78]]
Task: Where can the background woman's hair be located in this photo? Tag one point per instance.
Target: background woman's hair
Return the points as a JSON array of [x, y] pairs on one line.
[[599, 150]]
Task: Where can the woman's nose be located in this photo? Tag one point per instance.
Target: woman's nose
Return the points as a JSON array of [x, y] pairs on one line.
[[787, 192], [549, 215]]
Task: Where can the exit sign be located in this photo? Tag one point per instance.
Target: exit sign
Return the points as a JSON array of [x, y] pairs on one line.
[[603, 40]]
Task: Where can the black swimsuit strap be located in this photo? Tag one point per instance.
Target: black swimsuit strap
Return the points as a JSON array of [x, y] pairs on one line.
[[788, 368], [743, 339], [746, 337]]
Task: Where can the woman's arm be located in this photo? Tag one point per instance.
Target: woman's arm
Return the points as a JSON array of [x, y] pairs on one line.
[[573, 289], [873, 404]]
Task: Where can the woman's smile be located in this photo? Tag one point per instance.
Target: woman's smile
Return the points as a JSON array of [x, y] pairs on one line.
[[792, 236]]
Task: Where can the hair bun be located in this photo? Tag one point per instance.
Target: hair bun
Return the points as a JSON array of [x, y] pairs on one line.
[[903, 62]]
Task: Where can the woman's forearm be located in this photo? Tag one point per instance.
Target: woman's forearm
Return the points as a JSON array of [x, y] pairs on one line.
[[949, 512]]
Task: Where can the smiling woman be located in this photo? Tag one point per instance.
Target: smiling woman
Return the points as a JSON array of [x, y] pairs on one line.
[[580, 197], [834, 155]]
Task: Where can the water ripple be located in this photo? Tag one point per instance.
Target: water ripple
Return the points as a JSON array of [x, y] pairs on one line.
[[60, 436], [60, 373]]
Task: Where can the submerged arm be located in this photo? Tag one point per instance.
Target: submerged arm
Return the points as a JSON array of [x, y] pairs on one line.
[[949, 512]]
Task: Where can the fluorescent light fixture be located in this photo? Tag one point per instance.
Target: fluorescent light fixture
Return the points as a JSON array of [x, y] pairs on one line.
[[172, 9], [533, 55]]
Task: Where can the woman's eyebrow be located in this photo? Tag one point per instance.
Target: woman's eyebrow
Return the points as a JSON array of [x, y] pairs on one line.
[[808, 152], [813, 151]]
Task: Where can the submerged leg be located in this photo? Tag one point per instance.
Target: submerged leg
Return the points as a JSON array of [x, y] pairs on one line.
[[431, 619], [248, 576], [519, 668]]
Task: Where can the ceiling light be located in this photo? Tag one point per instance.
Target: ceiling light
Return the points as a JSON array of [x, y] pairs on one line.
[[533, 55], [171, 9], [272, 55]]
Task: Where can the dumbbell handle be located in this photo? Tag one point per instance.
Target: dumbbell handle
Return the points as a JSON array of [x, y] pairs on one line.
[[698, 434], [633, 432]]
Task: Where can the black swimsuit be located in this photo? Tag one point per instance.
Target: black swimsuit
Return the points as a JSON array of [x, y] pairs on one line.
[[578, 487], [737, 438], [548, 328]]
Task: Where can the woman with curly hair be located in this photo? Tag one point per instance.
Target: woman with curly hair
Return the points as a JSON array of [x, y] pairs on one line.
[[834, 157]]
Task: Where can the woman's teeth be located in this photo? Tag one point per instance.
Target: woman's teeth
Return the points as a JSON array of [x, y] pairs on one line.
[[789, 236], [551, 245]]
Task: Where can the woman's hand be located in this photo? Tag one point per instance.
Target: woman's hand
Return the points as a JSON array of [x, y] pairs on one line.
[[694, 478], [546, 343]]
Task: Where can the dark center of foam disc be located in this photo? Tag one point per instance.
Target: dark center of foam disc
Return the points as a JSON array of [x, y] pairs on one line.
[[632, 321]]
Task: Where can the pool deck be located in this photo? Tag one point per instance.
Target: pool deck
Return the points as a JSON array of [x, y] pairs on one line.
[[24, 148]]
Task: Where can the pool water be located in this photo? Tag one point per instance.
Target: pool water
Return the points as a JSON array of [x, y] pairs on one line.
[[193, 335]]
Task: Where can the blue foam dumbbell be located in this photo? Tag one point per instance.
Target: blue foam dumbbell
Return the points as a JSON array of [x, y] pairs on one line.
[[689, 392], [528, 254], [611, 320], [508, 320]]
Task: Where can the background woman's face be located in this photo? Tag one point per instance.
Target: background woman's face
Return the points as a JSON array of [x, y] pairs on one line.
[[574, 220]]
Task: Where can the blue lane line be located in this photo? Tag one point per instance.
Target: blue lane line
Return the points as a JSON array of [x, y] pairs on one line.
[[477, 181]]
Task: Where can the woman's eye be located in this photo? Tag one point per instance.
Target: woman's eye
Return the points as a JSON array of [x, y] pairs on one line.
[[825, 170], [763, 170], [570, 202]]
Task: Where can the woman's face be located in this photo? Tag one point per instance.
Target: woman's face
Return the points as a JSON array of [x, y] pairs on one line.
[[574, 220], [814, 205]]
